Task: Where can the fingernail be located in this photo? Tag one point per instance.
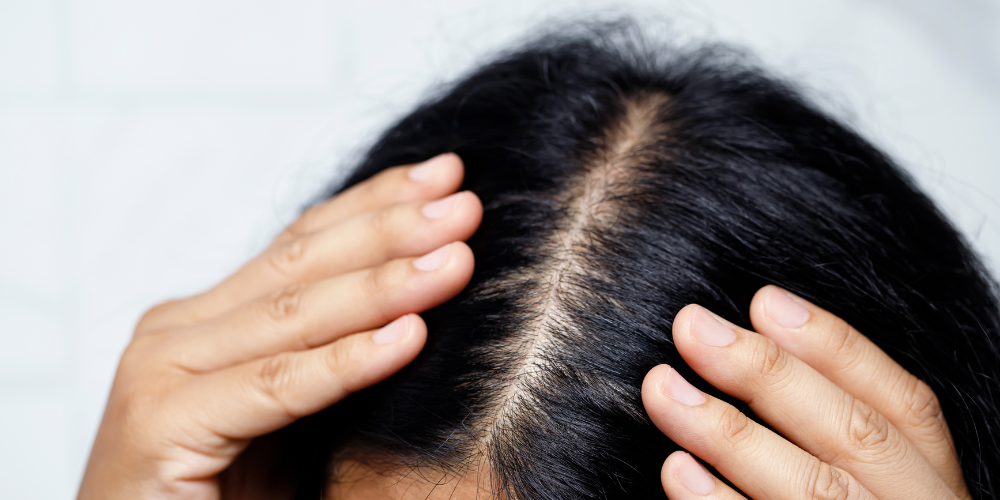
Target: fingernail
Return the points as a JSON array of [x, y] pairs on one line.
[[393, 331], [694, 477], [709, 330], [784, 310], [440, 208], [433, 260], [680, 390], [425, 170]]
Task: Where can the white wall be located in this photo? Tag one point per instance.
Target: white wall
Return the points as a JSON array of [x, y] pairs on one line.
[[147, 148]]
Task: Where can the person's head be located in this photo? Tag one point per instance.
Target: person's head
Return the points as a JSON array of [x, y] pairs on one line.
[[622, 181]]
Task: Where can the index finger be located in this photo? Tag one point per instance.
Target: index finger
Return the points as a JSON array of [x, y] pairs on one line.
[[428, 180], [855, 364]]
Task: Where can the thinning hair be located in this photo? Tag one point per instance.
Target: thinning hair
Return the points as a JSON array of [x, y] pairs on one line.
[[622, 180]]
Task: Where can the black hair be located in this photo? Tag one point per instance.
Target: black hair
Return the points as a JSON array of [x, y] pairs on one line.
[[623, 179]]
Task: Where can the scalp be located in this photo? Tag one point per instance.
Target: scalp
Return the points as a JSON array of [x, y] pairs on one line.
[[620, 183], [587, 207]]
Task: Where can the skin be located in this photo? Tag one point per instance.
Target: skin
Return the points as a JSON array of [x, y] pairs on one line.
[[356, 480], [853, 424], [330, 308], [292, 332]]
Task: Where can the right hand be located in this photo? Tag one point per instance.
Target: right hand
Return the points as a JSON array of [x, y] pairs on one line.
[[292, 332]]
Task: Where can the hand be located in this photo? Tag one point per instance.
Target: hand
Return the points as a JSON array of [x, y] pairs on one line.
[[856, 425], [292, 332]]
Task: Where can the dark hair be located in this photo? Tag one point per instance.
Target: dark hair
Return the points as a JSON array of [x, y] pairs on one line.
[[623, 179]]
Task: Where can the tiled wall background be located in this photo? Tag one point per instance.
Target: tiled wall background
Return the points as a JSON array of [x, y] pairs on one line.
[[147, 148]]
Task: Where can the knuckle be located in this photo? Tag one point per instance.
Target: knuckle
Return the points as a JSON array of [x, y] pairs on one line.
[[923, 407], [273, 379], [842, 337], [287, 259], [301, 225], [826, 482], [154, 314], [136, 357], [770, 360], [385, 224], [337, 358], [869, 433], [377, 286], [285, 305], [342, 362], [380, 279], [736, 429], [340, 358]]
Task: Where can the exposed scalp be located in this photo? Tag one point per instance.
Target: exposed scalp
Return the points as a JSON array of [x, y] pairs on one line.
[[587, 205], [620, 183]]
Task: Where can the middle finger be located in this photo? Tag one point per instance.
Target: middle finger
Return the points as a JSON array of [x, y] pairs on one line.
[[359, 242]]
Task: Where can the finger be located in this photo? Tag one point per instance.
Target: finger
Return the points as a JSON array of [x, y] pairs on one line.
[[369, 239], [305, 316], [360, 242], [430, 180], [855, 364], [684, 478], [804, 406], [759, 462], [255, 398]]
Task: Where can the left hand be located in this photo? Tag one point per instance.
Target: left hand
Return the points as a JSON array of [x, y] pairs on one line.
[[328, 309], [854, 424]]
